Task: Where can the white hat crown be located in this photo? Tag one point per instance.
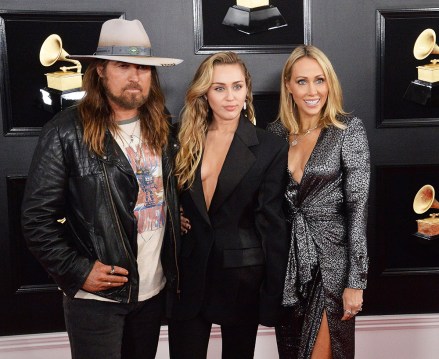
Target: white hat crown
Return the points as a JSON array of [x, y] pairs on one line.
[[126, 41]]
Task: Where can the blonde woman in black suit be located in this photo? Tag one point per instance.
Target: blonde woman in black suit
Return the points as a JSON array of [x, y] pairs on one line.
[[232, 176]]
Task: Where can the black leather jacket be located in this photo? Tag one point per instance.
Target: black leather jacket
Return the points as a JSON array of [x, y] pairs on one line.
[[96, 195]]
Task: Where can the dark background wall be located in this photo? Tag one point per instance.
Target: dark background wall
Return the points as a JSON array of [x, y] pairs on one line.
[[403, 276]]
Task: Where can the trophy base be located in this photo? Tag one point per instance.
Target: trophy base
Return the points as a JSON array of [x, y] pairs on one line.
[[64, 80], [429, 73], [423, 92], [253, 20], [426, 238], [53, 101]]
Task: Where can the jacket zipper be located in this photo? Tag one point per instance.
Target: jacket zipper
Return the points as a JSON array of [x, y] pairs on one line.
[[174, 240], [117, 222]]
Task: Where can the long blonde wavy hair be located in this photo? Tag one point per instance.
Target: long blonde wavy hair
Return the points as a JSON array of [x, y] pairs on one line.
[[333, 107], [196, 115], [97, 115]]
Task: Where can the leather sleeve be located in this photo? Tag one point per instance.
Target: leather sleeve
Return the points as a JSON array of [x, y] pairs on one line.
[[44, 204]]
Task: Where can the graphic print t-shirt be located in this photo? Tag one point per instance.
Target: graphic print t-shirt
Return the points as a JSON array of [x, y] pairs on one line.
[[150, 211]]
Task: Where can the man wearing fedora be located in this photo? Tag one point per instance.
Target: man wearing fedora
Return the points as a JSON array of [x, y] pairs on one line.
[[100, 208]]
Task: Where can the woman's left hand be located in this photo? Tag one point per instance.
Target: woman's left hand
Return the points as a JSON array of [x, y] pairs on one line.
[[352, 302], [185, 224]]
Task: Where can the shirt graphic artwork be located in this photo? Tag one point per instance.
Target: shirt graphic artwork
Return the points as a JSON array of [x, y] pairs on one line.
[[149, 209]]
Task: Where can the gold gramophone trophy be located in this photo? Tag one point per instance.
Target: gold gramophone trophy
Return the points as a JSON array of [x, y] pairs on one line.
[[251, 16], [63, 87], [51, 52], [428, 228], [425, 90]]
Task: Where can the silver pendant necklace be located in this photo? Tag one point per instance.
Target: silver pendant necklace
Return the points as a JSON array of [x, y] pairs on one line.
[[139, 156], [295, 141], [130, 136]]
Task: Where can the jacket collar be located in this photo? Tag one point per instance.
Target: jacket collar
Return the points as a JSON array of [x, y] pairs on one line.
[[114, 154]]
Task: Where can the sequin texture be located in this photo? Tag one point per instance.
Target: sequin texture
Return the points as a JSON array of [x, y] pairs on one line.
[[327, 213]]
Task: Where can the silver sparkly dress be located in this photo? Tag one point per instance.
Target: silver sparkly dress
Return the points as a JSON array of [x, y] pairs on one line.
[[327, 213]]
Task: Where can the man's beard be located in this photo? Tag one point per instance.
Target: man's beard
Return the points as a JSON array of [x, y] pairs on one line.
[[126, 100]]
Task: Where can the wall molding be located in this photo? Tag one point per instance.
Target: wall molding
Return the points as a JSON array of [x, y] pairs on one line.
[[55, 341], [397, 322], [31, 342]]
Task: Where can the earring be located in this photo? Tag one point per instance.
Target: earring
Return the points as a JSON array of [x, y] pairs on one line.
[[293, 104], [245, 105]]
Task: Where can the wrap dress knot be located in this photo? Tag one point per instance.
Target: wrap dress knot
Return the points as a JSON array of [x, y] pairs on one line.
[[303, 251]]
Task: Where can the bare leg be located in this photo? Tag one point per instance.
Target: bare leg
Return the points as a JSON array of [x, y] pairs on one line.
[[322, 346]]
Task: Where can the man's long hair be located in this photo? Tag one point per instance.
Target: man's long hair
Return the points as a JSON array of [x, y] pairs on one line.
[[97, 115]]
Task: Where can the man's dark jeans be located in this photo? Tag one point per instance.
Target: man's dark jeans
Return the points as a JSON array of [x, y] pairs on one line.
[[110, 330]]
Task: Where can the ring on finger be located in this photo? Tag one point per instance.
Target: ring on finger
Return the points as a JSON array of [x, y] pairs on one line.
[[348, 312], [112, 270]]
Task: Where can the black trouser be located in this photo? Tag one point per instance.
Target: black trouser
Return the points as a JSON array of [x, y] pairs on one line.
[[110, 330], [189, 339]]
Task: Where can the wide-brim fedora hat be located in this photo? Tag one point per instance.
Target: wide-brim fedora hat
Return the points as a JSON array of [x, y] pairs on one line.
[[126, 41]]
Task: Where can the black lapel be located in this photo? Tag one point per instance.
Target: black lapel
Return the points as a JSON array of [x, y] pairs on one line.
[[238, 161], [197, 194]]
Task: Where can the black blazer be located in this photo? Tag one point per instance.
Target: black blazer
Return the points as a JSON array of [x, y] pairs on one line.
[[233, 259]]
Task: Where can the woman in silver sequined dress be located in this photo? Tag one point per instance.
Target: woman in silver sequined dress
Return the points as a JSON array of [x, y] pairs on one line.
[[326, 204]]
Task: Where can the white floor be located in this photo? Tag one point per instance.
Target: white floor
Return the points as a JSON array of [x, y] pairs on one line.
[[377, 337]]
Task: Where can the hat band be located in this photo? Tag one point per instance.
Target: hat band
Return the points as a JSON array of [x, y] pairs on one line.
[[124, 51]]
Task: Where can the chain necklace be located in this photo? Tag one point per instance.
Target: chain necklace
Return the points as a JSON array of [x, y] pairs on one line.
[[295, 141], [139, 155], [144, 165], [130, 136]]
